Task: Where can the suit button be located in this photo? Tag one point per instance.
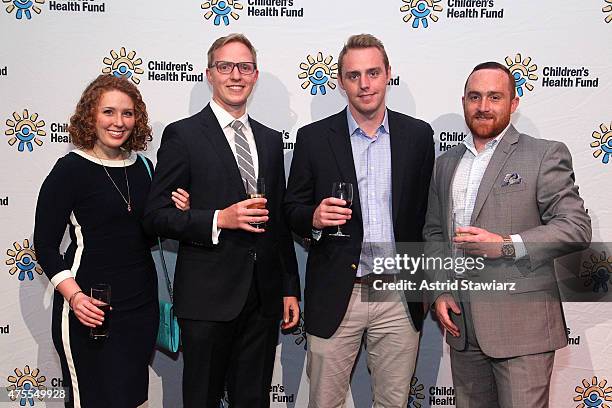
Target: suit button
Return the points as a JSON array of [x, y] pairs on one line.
[[353, 267], [253, 254]]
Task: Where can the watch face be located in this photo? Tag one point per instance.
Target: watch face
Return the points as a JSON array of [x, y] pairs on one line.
[[508, 250]]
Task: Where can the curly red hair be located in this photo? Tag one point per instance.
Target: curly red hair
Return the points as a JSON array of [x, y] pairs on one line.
[[82, 126]]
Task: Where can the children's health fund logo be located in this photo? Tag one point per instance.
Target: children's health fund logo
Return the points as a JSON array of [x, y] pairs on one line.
[[418, 13], [602, 143], [607, 9], [318, 73], [597, 272], [26, 386], [23, 8], [416, 396], [24, 131], [593, 394], [123, 65], [524, 72], [223, 12], [22, 261]]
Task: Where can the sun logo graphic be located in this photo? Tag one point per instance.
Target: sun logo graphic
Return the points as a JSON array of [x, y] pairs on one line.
[[300, 333], [25, 129], [419, 11], [523, 72], [222, 10], [597, 272], [123, 65], [22, 261], [24, 385], [318, 73], [416, 395], [594, 394], [23, 7], [603, 143], [608, 10]]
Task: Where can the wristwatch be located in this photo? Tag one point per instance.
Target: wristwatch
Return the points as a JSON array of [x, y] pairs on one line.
[[507, 248]]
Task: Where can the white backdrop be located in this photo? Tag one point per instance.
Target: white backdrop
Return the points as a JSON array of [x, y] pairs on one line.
[[50, 50]]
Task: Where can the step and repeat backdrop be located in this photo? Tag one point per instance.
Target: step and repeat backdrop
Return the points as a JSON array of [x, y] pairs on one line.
[[559, 52]]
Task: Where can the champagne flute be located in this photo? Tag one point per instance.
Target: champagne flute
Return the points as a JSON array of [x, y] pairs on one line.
[[343, 191]]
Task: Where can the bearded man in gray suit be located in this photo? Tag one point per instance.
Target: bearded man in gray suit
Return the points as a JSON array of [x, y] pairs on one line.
[[515, 202]]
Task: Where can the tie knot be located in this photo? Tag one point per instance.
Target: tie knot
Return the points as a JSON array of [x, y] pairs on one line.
[[236, 125]]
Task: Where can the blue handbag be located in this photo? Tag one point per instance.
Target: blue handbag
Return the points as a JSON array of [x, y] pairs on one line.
[[168, 333]]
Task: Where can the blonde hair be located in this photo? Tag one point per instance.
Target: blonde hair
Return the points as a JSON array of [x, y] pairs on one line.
[[235, 37]]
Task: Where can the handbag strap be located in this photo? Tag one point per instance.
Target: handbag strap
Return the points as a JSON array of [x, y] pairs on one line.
[[159, 244]]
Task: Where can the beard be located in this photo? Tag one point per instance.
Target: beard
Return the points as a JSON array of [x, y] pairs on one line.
[[488, 129]]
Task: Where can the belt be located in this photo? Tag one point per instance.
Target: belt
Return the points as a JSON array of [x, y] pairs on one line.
[[371, 277]]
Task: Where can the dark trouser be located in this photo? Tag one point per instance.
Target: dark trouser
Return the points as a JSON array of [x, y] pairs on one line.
[[239, 353]]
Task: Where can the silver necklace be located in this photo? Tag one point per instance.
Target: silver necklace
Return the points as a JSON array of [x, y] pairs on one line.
[[128, 202]]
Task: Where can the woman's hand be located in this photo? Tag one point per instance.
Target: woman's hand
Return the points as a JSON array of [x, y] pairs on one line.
[[86, 311], [181, 199], [82, 305]]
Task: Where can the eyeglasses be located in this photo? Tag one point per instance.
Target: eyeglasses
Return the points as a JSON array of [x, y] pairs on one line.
[[227, 67]]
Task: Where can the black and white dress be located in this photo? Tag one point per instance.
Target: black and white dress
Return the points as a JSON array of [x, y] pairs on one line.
[[107, 245]]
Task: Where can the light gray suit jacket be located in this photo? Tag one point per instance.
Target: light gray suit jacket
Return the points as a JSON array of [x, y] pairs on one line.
[[547, 212]]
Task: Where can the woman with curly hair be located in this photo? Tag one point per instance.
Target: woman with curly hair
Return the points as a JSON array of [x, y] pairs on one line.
[[99, 191]]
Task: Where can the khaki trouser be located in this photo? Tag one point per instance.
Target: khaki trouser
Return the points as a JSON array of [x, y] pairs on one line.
[[391, 343]]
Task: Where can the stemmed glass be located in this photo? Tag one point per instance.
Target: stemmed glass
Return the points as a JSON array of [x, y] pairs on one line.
[[343, 191]]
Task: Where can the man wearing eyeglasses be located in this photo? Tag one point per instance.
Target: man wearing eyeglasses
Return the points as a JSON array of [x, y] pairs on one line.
[[233, 281]]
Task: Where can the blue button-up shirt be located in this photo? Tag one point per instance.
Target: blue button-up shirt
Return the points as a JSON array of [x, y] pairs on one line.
[[372, 159]]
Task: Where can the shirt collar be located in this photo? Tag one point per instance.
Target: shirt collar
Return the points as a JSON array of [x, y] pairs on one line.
[[491, 144], [353, 126], [225, 118]]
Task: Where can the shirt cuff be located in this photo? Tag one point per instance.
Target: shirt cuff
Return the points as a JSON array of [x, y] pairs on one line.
[[215, 231], [520, 251], [60, 277], [316, 234]]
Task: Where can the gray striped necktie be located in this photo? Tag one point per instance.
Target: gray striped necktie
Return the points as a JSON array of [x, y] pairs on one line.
[[243, 156]]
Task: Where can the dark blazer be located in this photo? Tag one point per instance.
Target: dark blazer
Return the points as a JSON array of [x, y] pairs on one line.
[[322, 156], [211, 282]]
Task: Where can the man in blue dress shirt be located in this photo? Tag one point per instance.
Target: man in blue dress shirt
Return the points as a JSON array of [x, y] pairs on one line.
[[388, 158]]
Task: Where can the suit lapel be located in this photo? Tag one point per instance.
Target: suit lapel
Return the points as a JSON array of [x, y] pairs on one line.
[[217, 138], [400, 154], [340, 143], [507, 144]]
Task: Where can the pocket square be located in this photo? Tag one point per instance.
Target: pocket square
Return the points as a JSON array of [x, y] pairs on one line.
[[511, 178]]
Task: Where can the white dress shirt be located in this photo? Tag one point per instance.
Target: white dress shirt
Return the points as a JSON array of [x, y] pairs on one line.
[[466, 183], [225, 120]]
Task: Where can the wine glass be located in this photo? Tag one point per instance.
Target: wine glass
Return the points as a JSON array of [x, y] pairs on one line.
[[343, 191]]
